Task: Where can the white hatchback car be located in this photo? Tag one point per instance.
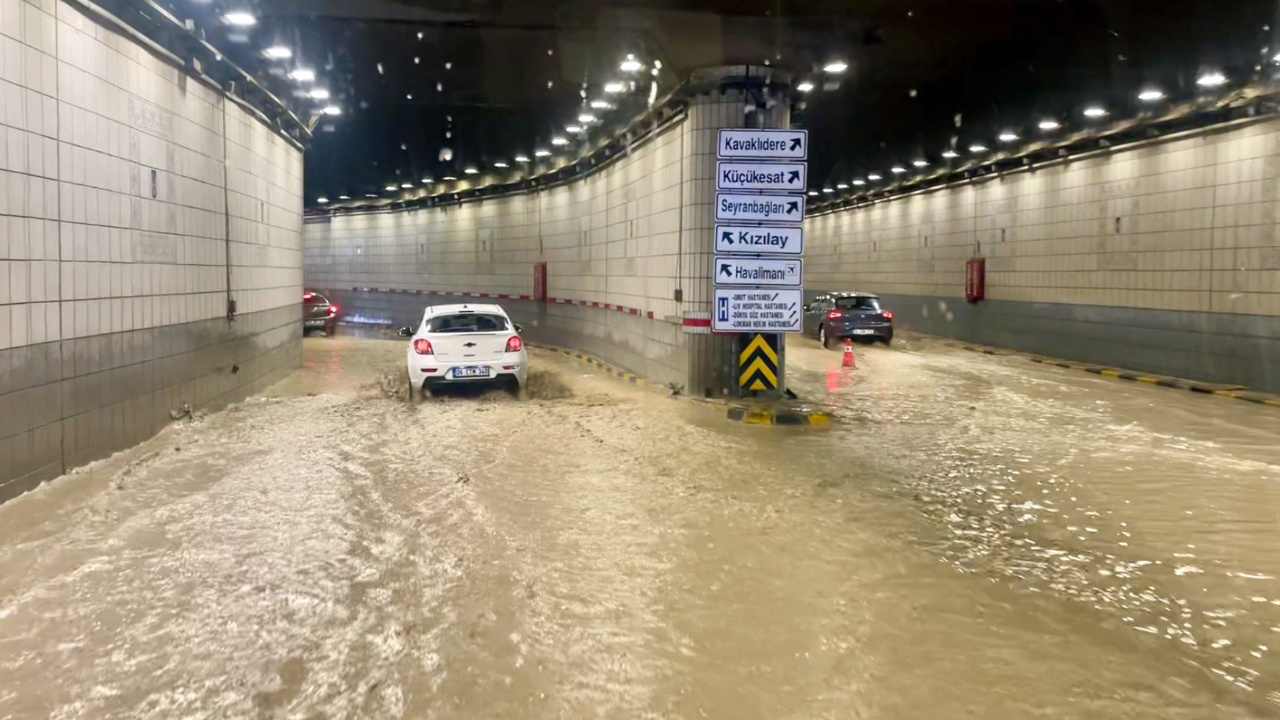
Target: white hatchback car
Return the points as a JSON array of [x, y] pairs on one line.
[[458, 344]]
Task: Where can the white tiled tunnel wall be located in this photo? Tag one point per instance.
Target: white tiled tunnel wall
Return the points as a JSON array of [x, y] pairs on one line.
[[113, 288], [1187, 225], [611, 237], [1162, 257]]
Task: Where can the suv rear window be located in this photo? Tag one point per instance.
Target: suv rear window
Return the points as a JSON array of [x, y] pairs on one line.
[[466, 322], [314, 298], [858, 303]]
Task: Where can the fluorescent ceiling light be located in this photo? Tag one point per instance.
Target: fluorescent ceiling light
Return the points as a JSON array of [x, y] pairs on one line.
[[835, 67], [322, 200], [573, 128], [919, 162], [449, 178], [630, 64], [599, 104], [344, 197], [500, 164], [842, 186], [559, 141], [240, 18], [1150, 95], [1007, 136], [1211, 79], [949, 154], [278, 52], [977, 148], [332, 110], [614, 87], [1095, 111], [897, 169], [522, 159], [859, 181], [541, 153], [406, 185], [427, 181], [391, 188], [1049, 124], [805, 86], [586, 118], [319, 94], [471, 171], [303, 75], [874, 176]]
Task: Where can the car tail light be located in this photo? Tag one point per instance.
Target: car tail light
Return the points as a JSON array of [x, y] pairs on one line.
[[333, 309], [515, 344], [307, 296], [888, 314], [422, 346], [834, 314]]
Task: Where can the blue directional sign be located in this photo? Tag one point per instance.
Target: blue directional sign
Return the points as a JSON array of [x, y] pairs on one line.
[[748, 144], [765, 239], [776, 176], [759, 272], [765, 207]]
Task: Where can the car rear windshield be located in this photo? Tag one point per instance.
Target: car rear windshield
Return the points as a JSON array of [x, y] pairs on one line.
[[314, 298], [858, 303], [466, 322]]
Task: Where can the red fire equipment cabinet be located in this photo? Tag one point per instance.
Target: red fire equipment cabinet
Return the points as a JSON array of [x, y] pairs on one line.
[[975, 279]]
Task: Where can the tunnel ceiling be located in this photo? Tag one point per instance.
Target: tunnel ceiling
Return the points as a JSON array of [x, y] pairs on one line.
[[427, 88]]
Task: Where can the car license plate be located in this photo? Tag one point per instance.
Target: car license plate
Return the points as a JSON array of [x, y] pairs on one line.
[[469, 372], [863, 331], [313, 323]]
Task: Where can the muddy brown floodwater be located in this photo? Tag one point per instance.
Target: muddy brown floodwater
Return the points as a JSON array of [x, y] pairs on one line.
[[976, 537]]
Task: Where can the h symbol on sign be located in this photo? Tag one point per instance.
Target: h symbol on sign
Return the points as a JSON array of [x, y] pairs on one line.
[[722, 309]]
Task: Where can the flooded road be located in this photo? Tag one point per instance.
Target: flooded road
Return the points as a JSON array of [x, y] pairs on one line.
[[976, 537]]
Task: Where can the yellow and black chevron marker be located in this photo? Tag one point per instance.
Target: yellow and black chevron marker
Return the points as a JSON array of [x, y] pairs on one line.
[[758, 363]]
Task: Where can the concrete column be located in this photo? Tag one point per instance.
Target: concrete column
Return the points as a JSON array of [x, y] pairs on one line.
[[735, 97]]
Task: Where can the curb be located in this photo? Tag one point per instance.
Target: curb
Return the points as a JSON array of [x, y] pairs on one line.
[[749, 414], [629, 377], [752, 415], [1238, 392]]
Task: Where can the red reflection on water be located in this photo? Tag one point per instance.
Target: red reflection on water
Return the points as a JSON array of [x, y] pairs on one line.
[[839, 378]]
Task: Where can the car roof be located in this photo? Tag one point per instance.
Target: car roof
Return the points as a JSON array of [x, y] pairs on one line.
[[433, 310], [841, 293]]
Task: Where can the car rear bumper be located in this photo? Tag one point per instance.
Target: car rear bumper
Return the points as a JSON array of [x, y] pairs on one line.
[[424, 369], [870, 330]]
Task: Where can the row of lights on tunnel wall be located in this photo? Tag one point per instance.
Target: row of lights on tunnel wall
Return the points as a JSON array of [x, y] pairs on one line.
[[1209, 80], [302, 75], [588, 117]]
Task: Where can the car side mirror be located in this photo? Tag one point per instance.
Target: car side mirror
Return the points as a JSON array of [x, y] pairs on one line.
[[519, 328], [405, 332]]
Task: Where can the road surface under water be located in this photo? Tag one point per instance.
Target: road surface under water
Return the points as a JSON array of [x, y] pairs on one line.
[[976, 537]]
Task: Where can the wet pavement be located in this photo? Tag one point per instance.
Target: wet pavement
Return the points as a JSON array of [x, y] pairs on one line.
[[976, 536]]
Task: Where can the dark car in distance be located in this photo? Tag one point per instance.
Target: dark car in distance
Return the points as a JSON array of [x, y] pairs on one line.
[[318, 313], [841, 315]]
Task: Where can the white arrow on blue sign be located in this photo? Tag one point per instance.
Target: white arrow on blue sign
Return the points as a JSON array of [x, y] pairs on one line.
[[779, 176], [744, 144], [764, 239], [760, 272], [760, 208]]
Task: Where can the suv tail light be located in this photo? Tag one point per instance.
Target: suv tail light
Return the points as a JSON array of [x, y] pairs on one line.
[[333, 309], [515, 344], [422, 346], [888, 314], [832, 315]]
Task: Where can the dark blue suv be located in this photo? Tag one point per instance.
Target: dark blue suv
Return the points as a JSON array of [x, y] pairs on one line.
[[840, 315]]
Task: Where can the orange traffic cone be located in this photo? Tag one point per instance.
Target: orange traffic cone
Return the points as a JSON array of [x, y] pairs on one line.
[[848, 361]]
